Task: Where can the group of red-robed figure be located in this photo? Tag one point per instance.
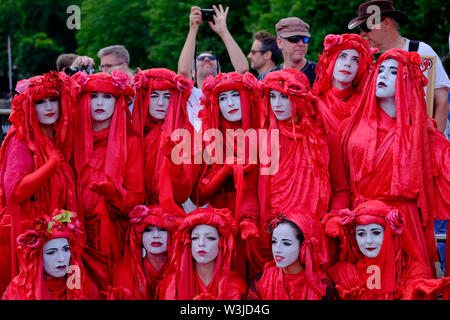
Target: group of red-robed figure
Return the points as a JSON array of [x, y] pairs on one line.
[[337, 151]]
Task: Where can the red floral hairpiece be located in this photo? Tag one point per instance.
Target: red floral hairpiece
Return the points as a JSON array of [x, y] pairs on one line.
[[396, 220], [120, 79]]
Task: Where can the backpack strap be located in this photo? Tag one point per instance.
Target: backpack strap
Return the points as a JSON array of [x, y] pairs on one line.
[[413, 45]]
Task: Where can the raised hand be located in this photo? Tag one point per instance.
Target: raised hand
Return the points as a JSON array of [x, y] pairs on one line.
[[220, 20]]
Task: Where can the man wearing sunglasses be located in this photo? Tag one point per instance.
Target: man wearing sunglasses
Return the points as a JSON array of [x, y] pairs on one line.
[[292, 38], [264, 53], [379, 22]]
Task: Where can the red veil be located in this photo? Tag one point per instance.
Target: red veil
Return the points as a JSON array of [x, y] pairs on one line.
[[159, 172], [309, 284], [134, 273], [23, 151], [335, 105], [400, 160], [181, 281], [30, 283], [399, 261]]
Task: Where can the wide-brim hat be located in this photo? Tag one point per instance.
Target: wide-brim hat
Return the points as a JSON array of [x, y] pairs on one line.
[[386, 10]]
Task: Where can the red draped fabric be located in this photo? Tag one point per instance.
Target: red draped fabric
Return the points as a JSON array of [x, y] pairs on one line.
[[23, 151], [398, 160]]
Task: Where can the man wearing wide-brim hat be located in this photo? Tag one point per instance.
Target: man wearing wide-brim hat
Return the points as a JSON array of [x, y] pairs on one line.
[[379, 22]]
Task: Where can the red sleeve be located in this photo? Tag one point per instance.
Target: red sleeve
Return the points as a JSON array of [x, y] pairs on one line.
[[340, 197], [181, 177], [18, 164], [133, 182], [250, 203], [441, 174]]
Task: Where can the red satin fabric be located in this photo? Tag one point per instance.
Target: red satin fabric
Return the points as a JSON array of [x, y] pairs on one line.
[[394, 160]]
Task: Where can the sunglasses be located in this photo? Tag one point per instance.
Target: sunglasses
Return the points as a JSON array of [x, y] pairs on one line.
[[364, 27], [212, 58], [296, 39]]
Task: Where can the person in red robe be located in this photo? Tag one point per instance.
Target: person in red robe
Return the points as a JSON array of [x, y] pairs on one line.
[[108, 162], [394, 152], [35, 175], [201, 264], [231, 179], [379, 258], [310, 173], [159, 109], [299, 252], [341, 75], [50, 261], [141, 270]]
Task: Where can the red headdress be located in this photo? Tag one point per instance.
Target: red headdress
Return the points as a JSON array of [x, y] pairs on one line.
[[30, 283], [333, 45], [116, 155], [180, 283], [131, 272], [411, 155], [313, 251], [396, 239]]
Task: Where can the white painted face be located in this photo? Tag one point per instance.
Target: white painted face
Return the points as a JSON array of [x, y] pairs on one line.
[[56, 257], [387, 76], [346, 66], [205, 243], [159, 104], [154, 240], [102, 106], [47, 110], [230, 105], [370, 238], [285, 245], [280, 105]]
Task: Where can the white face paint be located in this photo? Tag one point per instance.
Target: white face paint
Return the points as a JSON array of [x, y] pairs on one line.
[[280, 105], [154, 240], [387, 76], [285, 245], [56, 257], [370, 238], [102, 106], [47, 110], [205, 243], [230, 105], [159, 104], [346, 66]]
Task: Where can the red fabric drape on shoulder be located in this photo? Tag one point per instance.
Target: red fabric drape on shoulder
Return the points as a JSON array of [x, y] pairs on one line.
[[336, 105], [166, 183], [395, 160], [24, 151], [30, 284], [181, 281]]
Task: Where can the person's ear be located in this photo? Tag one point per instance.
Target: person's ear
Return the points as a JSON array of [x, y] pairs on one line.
[[279, 43], [267, 55]]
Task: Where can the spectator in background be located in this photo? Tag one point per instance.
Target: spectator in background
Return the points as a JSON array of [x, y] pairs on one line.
[[383, 33], [292, 38], [206, 64], [113, 57], [264, 54], [65, 60]]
